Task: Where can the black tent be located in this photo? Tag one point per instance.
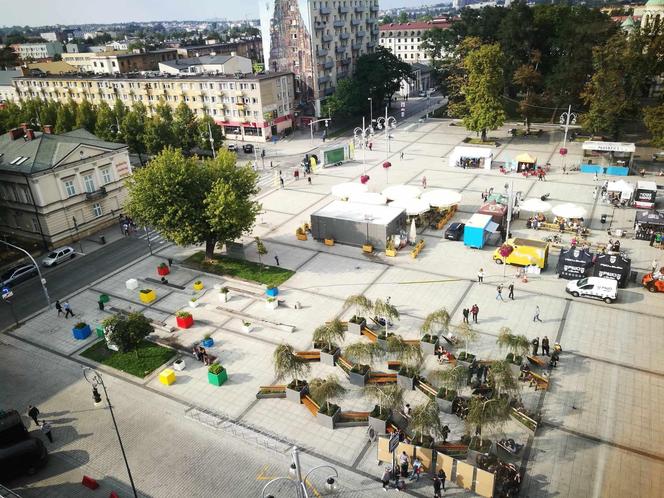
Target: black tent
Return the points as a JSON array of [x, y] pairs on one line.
[[654, 218], [574, 263], [613, 266]]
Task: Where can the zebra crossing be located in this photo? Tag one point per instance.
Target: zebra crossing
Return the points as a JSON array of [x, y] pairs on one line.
[[155, 236]]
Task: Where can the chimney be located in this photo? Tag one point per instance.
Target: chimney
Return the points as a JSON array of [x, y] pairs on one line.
[[48, 129], [16, 133], [29, 134]]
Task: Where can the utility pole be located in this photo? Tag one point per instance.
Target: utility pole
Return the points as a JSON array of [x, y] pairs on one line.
[[510, 194], [566, 118], [214, 154]]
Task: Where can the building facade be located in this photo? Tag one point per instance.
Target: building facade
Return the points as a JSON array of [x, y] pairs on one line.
[[119, 62], [251, 48], [319, 41], [208, 64], [248, 107], [37, 51], [405, 40], [55, 189], [7, 89]]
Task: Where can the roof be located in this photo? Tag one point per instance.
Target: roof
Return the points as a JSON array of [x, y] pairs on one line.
[[608, 146], [198, 61], [466, 151], [415, 25], [57, 67], [627, 23], [361, 213], [45, 151], [655, 3], [525, 158], [646, 185], [478, 220], [7, 75]]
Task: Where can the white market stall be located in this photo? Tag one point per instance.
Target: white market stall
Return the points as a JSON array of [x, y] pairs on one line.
[[345, 190], [535, 205], [398, 192], [569, 211], [471, 157], [611, 158], [441, 198], [368, 198], [620, 191], [412, 206]]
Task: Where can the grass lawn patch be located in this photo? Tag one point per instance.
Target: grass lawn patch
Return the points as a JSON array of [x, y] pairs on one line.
[[240, 268], [478, 141], [150, 357]]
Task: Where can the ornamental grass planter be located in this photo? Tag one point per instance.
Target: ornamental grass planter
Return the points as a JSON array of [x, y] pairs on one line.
[[272, 292], [359, 375], [377, 421], [217, 379], [224, 297], [103, 298], [193, 303], [429, 346], [81, 331], [301, 236], [329, 357], [294, 392], [163, 270], [198, 285], [355, 325], [272, 303], [184, 321], [147, 296], [392, 253], [207, 342], [326, 420]]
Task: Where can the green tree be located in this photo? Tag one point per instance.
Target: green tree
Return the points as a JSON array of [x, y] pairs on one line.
[[159, 129], [484, 89], [455, 73], [387, 19], [8, 58], [288, 365], [424, 421], [483, 413], [436, 322], [119, 112], [86, 116], [66, 118], [323, 390], [518, 345], [386, 311], [261, 250], [105, 122], [185, 128], [528, 79], [653, 117], [205, 125], [388, 397], [403, 17], [133, 129], [330, 334], [127, 331], [9, 116], [193, 202]]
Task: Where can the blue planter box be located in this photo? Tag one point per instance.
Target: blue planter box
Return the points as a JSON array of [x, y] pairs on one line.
[[208, 343], [273, 292], [82, 333]]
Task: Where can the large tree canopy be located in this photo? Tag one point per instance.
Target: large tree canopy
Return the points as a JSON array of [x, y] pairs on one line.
[[193, 202]]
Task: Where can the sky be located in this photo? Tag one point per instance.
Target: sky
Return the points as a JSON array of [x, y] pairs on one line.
[[47, 12]]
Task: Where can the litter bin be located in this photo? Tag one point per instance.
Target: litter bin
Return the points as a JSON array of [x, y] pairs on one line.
[[102, 239], [602, 220]]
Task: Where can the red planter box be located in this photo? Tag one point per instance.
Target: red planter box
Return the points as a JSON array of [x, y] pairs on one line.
[[184, 323], [163, 270]]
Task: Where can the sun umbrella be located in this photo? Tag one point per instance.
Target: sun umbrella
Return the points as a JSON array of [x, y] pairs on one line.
[[397, 192], [412, 206], [535, 205], [569, 211], [440, 197], [413, 231], [343, 190], [368, 198]]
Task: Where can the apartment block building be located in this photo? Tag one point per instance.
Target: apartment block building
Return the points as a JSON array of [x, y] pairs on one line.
[[248, 107], [319, 41], [405, 40], [250, 47], [111, 62], [37, 51], [55, 189]]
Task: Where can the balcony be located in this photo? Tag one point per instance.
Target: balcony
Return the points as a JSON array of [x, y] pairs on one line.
[[344, 10], [359, 9], [319, 25], [345, 61], [341, 49], [328, 64], [323, 79], [96, 194], [356, 22], [361, 34], [344, 36], [371, 44], [356, 46], [374, 8], [371, 20], [324, 11], [339, 24], [327, 38], [321, 52]]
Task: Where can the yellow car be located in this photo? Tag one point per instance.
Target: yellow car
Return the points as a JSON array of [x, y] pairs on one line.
[[523, 252]]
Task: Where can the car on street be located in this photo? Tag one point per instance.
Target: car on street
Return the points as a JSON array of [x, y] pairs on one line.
[[455, 231], [422, 94], [232, 147], [248, 148], [58, 256], [18, 274], [19, 452]]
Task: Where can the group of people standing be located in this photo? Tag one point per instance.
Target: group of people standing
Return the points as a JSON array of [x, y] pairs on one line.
[[472, 311], [417, 469]]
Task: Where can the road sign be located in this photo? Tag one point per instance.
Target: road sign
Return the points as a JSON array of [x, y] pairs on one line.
[[394, 442], [6, 293]]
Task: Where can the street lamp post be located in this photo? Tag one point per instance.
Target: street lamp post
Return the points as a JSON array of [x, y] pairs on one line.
[[361, 135], [566, 118], [389, 123], [370, 99], [312, 123], [298, 481], [95, 379], [510, 195], [214, 154], [41, 279]]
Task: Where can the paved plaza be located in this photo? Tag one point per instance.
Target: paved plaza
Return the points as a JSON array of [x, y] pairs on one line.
[[601, 435]]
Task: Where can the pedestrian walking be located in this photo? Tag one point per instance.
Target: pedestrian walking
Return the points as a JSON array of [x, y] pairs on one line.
[[281, 181], [474, 311], [466, 313], [33, 413], [46, 430], [442, 476], [370, 146], [401, 156], [424, 182], [296, 174], [535, 345], [499, 292], [58, 307], [436, 487], [511, 289], [309, 180], [125, 229], [417, 468], [271, 165], [67, 309], [385, 479], [480, 275], [564, 169], [545, 345], [403, 464], [276, 259], [537, 318]]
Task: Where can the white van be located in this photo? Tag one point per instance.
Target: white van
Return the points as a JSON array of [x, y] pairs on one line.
[[605, 289]]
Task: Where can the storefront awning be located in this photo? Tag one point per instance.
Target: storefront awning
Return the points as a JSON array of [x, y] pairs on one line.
[[525, 158], [608, 146]]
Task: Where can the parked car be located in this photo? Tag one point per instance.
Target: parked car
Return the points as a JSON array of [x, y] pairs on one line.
[[605, 289], [18, 274], [248, 148], [232, 147], [422, 94], [19, 453], [455, 231], [58, 256]]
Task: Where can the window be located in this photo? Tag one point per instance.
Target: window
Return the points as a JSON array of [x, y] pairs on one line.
[[35, 225], [96, 210], [69, 187], [89, 183], [106, 176]]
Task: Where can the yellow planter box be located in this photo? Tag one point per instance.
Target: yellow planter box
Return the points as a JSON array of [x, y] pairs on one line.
[[167, 377], [198, 287], [367, 248], [392, 253], [329, 242], [147, 297], [301, 236]]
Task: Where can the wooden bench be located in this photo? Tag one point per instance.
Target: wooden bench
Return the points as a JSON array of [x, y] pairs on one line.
[[552, 227], [393, 365], [382, 378], [454, 450], [276, 388], [426, 388], [354, 416], [369, 334], [539, 382], [271, 392], [412, 342], [311, 405], [344, 364], [536, 360], [308, 355]]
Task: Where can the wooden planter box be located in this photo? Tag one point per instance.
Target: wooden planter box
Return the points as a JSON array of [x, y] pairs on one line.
[[147, 296], [378, 425], [301, 236], [358, 379], [163, 270], [294, 395], [327, 420], [217, 379], [444, 405], [356, 328], [329, 242], [428, 348], [392, 253], [368, 248], [329, 358], [184, 322], [408, 383]]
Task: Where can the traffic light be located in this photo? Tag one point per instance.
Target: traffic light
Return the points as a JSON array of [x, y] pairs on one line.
[[96, 396]]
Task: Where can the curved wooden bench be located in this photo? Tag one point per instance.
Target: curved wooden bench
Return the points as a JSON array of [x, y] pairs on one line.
[[382, 378], [308, 355], [311, 405]]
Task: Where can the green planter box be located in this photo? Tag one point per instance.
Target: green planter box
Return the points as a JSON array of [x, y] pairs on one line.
[[217, 379], [100, 331]]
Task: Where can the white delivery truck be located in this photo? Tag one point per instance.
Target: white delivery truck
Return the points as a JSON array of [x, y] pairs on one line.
[[605, 289]]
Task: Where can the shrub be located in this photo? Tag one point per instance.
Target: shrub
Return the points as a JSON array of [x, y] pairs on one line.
[[146, 291], [198, 282], [163, 265], [215, 369], [80, 325], [206, 337], [183, 314], [246, 324], [271, 299], [224, 290]]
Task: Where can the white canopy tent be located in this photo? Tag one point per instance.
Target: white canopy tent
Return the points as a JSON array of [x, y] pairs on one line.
[[535, 205], [483, 153], [344, 190], [626, 189], [608, 146], [398, 192], [412, 206], [569, 210], [368, 198], [440, 197]]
